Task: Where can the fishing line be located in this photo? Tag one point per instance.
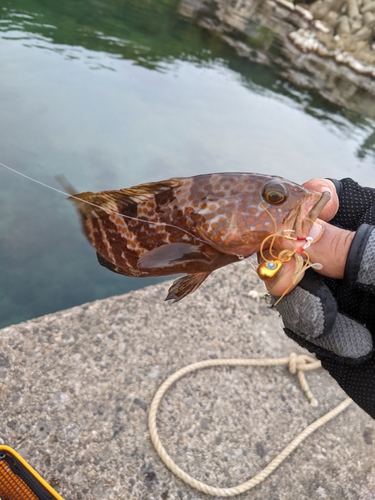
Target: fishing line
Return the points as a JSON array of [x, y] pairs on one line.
[[37, 182], [264, 271], [165, 224]]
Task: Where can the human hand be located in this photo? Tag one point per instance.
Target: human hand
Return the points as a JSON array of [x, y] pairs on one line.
[[334, 317], [307, 306], [330, 245]]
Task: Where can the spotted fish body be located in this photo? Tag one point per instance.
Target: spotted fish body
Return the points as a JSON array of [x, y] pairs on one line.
[[192, 225]]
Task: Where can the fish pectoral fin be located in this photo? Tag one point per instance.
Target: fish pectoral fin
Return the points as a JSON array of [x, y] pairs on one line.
[[185, 285], [169, 255]]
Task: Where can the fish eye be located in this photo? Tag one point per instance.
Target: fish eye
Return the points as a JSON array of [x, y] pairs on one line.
[[274, 193]]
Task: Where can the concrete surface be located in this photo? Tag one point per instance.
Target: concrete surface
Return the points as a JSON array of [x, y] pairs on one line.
[[76, 385]]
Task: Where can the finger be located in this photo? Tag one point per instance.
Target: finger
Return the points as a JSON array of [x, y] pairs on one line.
[[284, 280], [321, 185], [331, 250]]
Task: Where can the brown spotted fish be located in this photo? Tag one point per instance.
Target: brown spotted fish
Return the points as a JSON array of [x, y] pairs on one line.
[[192, 225]]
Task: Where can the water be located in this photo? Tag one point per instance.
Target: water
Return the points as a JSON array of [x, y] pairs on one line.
[[112, 94]]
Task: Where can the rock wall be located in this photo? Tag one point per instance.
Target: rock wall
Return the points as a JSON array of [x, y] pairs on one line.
[[326, 45]]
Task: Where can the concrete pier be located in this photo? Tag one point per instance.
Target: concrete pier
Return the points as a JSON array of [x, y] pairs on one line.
[[76, 387]]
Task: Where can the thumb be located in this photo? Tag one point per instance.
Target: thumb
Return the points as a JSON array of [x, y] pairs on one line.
[[285, 279], [331, 250], [321, 185]]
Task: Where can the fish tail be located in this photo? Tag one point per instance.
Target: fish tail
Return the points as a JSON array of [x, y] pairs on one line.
[[65, 184]]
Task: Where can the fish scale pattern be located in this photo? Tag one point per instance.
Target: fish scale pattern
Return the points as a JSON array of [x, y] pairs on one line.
[[192, 225]]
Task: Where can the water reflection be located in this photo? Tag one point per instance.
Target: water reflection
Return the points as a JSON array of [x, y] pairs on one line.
[[306, 39], [169, 98], [146, 32], [368, 146], [157, 37]]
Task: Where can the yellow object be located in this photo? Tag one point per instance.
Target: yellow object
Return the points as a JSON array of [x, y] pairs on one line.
[[269, 268], [19, 481]]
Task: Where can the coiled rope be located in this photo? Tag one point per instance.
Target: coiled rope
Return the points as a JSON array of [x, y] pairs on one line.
[[296, 363]]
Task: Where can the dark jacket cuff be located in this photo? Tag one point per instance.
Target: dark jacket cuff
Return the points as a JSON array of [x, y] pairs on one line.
[[337, 186], [354, 260]]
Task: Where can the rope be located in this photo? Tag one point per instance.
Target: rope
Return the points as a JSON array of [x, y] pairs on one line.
[[296, 363]]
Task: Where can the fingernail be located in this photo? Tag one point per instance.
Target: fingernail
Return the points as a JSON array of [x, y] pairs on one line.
[[316, 231]]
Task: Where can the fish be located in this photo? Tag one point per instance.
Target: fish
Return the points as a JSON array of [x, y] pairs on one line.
[[192, 225]]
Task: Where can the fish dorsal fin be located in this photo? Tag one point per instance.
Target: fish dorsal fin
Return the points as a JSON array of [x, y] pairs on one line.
[[185, 285], [120, 200], [171, 254]]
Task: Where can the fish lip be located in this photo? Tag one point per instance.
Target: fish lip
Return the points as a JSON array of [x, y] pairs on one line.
[[308, 214]]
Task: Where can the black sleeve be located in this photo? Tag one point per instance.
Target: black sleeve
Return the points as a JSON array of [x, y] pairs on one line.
[[354, 297], [360, 265], [355, 293], [357, 205], [358, 381]]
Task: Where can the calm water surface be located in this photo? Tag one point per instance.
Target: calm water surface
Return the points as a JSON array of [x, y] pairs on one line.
[[112, 94]]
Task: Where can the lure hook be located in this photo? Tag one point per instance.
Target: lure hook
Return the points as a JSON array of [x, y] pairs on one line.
[[271, 267]]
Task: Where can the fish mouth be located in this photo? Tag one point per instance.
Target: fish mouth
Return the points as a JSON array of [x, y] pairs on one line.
[[309, 212]]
